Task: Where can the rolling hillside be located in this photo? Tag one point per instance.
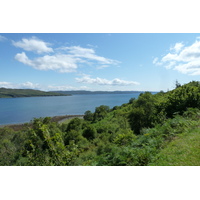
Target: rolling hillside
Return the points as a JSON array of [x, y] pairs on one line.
[[13, 93]]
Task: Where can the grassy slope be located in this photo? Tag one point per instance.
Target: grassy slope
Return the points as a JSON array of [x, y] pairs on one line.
[[11, 93], [183, 150]]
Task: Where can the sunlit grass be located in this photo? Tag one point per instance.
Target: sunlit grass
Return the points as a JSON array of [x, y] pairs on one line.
[[183, 151]]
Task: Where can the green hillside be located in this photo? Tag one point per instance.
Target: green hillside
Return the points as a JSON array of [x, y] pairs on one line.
[[13, 93], [184, 150], [159, 129]]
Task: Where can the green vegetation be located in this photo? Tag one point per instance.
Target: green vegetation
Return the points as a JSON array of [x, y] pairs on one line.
[[160, 129], [13, 93]]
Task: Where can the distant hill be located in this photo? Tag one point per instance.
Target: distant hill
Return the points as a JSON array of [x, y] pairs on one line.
[[13, 93], [74, 92]]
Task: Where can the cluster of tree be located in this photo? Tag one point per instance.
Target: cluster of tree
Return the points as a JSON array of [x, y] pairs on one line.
[[130, 134]]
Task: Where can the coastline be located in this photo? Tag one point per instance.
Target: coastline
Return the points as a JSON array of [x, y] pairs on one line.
[[58, 119]]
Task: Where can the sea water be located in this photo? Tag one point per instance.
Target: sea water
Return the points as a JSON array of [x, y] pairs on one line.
[[21, 110]]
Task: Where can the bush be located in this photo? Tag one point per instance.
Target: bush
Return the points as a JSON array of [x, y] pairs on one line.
[[143, 112], [90, 132], [101, 112], [88, 116]]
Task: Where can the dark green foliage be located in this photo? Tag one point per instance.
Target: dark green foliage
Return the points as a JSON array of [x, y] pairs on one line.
[[89, 132], [88, 116], [125, 138], [100, 112], [178, 100], [11, 148], [143, 112], [45, 145], [74, 124], [131, 100], [130, 134], [7, 149]]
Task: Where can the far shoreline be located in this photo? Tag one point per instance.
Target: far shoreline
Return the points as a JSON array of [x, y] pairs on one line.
[[58, 119]]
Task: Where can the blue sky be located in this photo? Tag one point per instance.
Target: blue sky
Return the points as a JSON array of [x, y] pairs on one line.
[[98, 61]]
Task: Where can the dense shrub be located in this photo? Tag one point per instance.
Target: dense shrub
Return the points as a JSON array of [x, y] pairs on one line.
[[143, 112], [131, 134]]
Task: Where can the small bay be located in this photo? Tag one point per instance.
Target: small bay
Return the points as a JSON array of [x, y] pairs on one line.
[[21, 110]]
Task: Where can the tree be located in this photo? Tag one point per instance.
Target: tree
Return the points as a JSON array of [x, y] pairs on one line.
[[143, 113], [100, 112], [74, 124], [88, 115], [89, 132], [131, 100], [177, 84]]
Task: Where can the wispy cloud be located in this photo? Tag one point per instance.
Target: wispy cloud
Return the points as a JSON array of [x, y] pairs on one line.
[[2, 38], [60, 63], [26, 85], [177, 47], [5, 84], [65, 87], [33, 44], [62, 59], [88, 53], [101, 81], [185, 59], [36, 86], [156, 62]]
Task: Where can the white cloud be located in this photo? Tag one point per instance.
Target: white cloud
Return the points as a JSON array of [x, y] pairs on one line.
[[68, 61], [65, 87], [2, 38], [84, 88], [190, 53], [170, 65], [170, 57], [36, 86], [177, 47], [61, 87], [192, 68], [155, 61], [61, 63], [185, 60], [5, 84], [62, 59], [21, 57], [100, 81], [26, 85], [33, 44], [29, 85], [86, 53]]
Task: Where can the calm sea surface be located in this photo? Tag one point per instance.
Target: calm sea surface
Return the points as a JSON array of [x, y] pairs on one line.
[[21, 110]]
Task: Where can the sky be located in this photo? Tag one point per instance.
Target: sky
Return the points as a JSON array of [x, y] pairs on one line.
[[98, 61]]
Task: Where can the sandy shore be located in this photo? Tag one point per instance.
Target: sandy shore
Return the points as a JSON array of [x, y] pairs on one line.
[[58, 119]]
